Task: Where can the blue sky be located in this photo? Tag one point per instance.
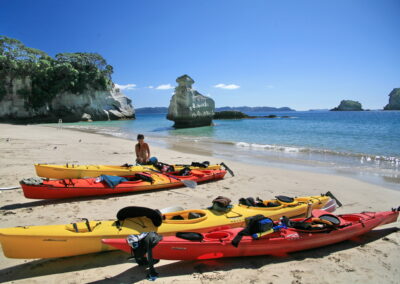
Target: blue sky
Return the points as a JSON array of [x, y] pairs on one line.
[[305, 54]]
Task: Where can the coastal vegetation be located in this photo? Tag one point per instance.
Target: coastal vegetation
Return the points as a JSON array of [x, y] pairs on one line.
[[65, 73], [394, 100], [35, 87]]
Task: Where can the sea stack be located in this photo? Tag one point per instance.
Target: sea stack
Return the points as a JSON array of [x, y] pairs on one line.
[[348, 105], [189, 108], [394, 100]]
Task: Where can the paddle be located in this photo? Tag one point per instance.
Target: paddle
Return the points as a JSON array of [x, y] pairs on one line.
[[9, 188], [188, 183], [333, 197], [227, 169]]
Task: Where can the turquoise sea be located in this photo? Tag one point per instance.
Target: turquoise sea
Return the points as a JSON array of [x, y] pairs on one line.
[[362, 144]]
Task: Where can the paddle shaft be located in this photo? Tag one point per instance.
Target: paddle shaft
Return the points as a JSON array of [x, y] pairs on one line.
[[188, 183]]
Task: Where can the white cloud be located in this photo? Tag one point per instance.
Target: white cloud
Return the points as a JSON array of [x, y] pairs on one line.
[[227, 87], [125, 87], [150, 87], [164, 87]]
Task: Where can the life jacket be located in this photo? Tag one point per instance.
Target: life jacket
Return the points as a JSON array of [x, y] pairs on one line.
[[184, 172], [255, 224], [144, 177], [165, 168], [204, 164], [312, 223]]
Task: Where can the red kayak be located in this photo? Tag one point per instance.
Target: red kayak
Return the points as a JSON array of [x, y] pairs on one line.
[[217, 244], [68, 188]]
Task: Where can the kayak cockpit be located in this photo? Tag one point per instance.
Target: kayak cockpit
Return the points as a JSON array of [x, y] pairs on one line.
[[273, 204], [185, 217]]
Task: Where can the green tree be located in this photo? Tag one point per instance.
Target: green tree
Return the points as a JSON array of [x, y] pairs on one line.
[[66, 73]]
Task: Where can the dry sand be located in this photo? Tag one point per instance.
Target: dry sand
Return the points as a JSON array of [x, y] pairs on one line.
[[371, 259]]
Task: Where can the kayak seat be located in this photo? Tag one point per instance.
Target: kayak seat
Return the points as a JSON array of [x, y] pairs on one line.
[[186, 216], [249, 201], [177, 217], [135, 211], [284, 199], [194, 215], [191, 236]]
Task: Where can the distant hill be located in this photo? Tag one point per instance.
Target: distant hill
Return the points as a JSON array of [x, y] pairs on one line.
[[151, 110], [253, 109], [226, 108]]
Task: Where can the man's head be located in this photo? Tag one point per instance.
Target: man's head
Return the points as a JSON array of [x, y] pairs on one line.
[[140, 138]]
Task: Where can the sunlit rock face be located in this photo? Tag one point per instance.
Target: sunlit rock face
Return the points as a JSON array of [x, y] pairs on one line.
[[189, 108], [88, 106], [394, 100]]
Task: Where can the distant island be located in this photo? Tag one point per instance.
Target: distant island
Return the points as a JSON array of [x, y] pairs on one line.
[[234, 114], [348, 105], [145, 110], [253, 109], [142, 110]]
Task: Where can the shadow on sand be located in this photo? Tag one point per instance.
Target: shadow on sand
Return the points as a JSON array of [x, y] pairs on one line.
[[45, 267], [86, 198]]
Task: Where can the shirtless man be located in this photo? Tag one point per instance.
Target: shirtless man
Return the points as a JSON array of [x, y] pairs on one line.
[[142, 150]]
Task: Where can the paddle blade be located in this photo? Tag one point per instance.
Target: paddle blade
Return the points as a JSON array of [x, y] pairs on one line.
[[227, 169], [189, 183], [333, 197]]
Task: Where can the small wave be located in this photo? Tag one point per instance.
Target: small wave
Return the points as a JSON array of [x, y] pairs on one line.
[[364, 158], [269, 147], [243, 144]]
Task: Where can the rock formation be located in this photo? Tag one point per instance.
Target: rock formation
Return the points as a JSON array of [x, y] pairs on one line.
[[188, 108], [348, 105], [230, 114], [394, 100], [88, 106]]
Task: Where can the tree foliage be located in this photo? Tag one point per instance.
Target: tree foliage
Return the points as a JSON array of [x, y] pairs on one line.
[[66, 73]]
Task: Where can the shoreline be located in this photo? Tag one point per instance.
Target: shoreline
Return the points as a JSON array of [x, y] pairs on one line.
[[40, 144], [320, 161]]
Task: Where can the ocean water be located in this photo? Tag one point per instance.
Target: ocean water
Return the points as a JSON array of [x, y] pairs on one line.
[[366, 144]]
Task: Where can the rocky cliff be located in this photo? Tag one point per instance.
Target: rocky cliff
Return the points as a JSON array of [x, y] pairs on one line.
[[188, 108], [89, 105], [394, 100], [348, 105]]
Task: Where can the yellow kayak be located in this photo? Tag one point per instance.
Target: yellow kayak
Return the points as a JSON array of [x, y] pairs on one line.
[[81, 171], [85, 237]]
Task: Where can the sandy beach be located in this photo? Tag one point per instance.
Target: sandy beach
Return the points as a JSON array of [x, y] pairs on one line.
[[371, 259]]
